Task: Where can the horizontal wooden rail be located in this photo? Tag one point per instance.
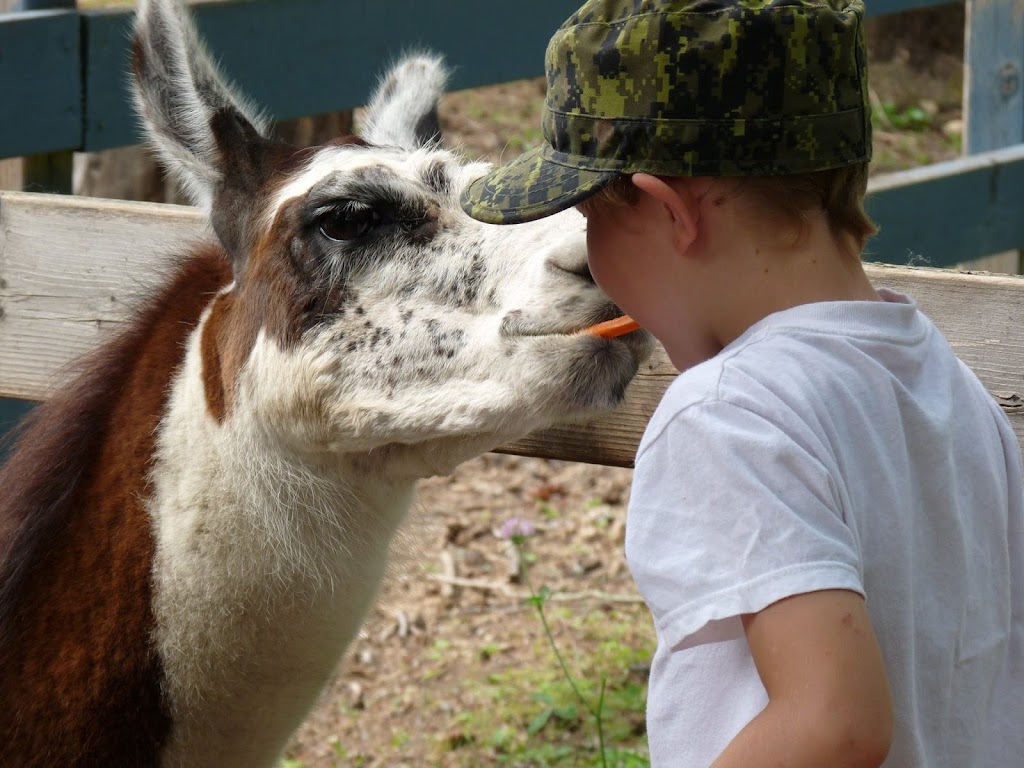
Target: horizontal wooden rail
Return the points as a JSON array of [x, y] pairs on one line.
[[63, 74], [70, 267]]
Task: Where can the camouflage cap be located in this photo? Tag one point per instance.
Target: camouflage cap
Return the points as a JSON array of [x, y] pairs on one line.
[[689, 88]]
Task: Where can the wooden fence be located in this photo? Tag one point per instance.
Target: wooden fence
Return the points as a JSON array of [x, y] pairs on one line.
[[62, 298], [62, 89]]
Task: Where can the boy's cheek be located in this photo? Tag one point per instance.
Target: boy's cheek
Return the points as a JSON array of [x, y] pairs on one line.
[[597, 270], [601, 260]]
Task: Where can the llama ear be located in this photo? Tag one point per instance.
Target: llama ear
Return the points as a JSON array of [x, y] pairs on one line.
[[179, 93], [403, 110]]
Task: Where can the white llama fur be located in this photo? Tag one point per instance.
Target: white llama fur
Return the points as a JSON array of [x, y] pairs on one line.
[[266, 563], [272, 523], [177, 118], [386, 124]]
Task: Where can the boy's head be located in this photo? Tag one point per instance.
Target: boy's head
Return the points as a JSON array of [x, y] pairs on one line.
[[772, 92]]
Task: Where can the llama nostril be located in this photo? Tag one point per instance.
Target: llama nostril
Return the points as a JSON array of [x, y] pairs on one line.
[[585, 273], [578, 267]]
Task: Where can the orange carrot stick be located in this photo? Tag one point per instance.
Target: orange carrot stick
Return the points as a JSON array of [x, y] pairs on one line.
[[612, 328]]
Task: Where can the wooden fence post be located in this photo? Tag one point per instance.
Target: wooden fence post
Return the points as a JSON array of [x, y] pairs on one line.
[[993, 75], [52, 172], [10, 168], [994, 78]]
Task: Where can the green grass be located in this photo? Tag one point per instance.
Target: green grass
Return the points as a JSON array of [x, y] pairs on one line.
[[911, 118], [529, 716]]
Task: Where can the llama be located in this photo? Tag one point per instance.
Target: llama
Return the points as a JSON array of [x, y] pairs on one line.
[[192, 530]]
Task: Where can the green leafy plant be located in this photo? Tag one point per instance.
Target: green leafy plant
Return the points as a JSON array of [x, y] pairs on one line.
[[517, 531], [567, 714], [912, 118]]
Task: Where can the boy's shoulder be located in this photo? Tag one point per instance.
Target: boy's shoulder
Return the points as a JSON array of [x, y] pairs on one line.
[[802, 359], [738, 378]]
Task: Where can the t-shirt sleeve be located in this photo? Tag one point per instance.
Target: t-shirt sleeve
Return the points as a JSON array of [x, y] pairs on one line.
[[728, 515]]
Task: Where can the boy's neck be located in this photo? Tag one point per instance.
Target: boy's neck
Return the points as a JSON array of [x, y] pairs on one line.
[[746, 276], [765, 275]]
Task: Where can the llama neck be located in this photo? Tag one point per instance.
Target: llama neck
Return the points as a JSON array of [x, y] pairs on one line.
[[265, 566], [77, 669]]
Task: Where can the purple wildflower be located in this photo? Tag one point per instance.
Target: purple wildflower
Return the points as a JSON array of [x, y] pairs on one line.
[[516, 528]]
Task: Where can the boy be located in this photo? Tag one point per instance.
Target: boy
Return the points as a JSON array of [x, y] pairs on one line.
[[826, 517]]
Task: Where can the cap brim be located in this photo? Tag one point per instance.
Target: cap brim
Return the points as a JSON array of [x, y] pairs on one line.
[[534, 185]]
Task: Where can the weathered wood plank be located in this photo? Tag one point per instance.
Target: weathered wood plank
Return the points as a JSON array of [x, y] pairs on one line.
[[70, 266], [68, 269], [982, 316], [10, 174]]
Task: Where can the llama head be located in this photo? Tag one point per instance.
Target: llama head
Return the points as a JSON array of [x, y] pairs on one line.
[[368, 312]]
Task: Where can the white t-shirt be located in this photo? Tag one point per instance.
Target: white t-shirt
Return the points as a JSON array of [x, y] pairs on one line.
[[839, 445]]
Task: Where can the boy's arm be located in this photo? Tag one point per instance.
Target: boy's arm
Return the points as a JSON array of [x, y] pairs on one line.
[[828, 694]]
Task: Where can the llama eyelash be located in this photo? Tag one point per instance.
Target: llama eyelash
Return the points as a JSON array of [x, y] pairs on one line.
[[392, 212]]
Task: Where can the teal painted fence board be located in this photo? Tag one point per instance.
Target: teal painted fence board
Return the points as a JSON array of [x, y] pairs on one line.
[[305, 57], [11, 412], [952, 212], [295, 57], [886, 7], [108, 121], [40, 83]]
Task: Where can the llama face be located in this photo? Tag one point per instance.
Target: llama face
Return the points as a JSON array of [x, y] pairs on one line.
[[367, 310], [428, 324]]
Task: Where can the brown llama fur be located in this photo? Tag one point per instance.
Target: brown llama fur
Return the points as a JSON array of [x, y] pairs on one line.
[[84, 657]]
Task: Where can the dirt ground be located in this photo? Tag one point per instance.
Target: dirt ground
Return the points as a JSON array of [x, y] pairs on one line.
[[452, 667], [452, 650]]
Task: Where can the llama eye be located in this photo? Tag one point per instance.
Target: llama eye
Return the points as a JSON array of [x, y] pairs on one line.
[[346, 223]]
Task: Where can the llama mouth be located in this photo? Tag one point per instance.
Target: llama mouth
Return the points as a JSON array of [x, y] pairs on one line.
[[516, 325]]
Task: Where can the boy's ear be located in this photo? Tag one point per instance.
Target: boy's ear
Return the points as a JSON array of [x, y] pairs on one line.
[[681, 205]]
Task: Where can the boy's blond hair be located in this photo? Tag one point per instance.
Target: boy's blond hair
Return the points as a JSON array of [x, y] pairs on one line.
[[838, 192]]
